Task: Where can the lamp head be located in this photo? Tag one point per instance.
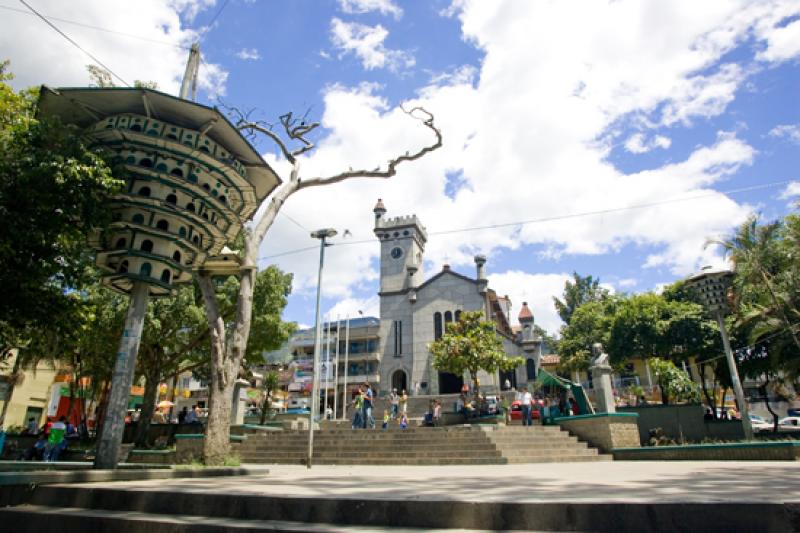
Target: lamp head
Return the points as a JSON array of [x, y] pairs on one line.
[[323, 233]]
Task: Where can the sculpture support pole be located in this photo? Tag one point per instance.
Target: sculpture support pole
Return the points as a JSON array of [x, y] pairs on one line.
[[114, 425], [747, 427]]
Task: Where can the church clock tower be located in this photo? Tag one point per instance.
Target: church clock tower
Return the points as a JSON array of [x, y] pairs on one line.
[[402, 245]]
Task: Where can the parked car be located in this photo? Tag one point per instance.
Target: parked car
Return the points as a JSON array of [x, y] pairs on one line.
[[790, 421], [516, 409], [759, 424]]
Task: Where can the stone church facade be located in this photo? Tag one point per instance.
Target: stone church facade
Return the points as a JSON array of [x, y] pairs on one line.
[[414, 312]]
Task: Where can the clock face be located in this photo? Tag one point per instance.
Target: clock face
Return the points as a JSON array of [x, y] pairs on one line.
[[397, 253]]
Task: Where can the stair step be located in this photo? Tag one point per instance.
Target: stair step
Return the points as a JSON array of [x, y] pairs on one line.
[[36, 518]]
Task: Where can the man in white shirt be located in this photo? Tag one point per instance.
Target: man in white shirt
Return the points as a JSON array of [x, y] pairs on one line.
[[526, 402]]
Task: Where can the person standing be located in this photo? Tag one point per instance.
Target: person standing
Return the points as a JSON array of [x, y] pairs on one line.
[[526, 403], [358, 407], [394, 401], [369, 421], [404, 402]]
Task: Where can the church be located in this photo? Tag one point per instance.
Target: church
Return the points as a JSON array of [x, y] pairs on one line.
[[414, 312]]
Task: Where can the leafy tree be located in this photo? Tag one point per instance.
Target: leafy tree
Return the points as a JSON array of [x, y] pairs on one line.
[[674, 383], [469, 345], [270, 385], [176, 337], [590, 323], [579, 291], [54, 192]]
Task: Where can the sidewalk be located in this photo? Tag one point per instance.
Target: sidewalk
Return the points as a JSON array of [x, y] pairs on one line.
[[619, 481]]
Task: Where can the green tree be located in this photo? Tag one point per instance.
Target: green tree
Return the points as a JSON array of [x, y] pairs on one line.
[[578, 291], [469, 345], [674, 383], [54, 192], [270, 385], [590, 323]]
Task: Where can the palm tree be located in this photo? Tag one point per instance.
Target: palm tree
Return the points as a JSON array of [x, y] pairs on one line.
[[763, 263]]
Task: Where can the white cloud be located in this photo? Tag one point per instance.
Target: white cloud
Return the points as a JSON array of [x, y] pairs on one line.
[[384, 7], [790, 132], [158, 53], [536, 289], [522, 131], [782, 40], [791, 191], [248, 54], [638, 143], [366, 43], [350, 307]]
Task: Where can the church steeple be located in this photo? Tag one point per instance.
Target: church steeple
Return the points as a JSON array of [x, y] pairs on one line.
[[402, 245]]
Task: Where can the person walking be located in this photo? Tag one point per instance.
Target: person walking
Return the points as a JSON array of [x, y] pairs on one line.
[[394, 401], [526, 403], [369, 421]]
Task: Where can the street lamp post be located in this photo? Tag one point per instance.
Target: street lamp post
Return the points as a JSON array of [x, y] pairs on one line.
[[711, 287], [321, 234]]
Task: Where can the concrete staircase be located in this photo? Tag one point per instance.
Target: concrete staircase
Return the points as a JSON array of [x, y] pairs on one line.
[[451, 445]]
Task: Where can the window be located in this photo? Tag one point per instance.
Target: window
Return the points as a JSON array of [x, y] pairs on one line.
[[172, 199], [144, 191], [398, 338], [222, 199], [530, 367], [121, 243], [177, 172], [458, 315], [448, 317], [166, 275], [162, 225], [147, 246], [138, 218], [146, 269], [437, 326], [176, 256], [123, 267], [190, 207], [182, 231], [146, 162]]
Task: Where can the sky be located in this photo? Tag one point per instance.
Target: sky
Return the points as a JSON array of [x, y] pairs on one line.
[[612, 139]]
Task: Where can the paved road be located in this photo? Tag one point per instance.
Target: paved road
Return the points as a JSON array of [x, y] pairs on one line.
[[621, 481]]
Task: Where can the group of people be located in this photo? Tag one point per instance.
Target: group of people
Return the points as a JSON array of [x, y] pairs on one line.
[[53, 439], [364, 402]]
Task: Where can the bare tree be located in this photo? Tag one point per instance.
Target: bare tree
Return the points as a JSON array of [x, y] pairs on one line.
[[228, 345]]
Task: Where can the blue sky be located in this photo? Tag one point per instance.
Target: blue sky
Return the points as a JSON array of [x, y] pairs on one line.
[[546, 112]]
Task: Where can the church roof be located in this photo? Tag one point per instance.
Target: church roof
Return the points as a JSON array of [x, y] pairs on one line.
[[445, 270], [525, 314]]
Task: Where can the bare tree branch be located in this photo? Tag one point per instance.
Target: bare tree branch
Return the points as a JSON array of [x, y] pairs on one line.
[[391, 169]]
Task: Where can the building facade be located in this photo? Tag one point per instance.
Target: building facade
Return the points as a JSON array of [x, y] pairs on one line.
[[414, 313]]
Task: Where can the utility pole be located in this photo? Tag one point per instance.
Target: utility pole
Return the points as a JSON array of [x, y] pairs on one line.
[[190, 74], [345, 399]]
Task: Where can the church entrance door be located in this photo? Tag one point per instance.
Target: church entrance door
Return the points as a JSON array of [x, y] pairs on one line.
[[399, 381], [450, 383], [511, 376]]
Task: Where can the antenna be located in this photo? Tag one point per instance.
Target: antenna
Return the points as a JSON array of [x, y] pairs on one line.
[[190, 76]]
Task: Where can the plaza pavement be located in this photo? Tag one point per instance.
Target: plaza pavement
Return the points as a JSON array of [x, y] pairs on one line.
[[618, 481]]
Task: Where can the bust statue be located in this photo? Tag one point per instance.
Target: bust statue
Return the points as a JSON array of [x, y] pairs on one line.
[[599, 358]]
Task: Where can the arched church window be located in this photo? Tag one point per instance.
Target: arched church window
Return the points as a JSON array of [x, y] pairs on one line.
[[146, 269], [172, 199], [458, 315], [162, 225], [166, 275], [146, 162], [437, 326], [147, 245], [176, 256], [121, 243], [530, 367], [144, 191], [138, 218], [448, 317]]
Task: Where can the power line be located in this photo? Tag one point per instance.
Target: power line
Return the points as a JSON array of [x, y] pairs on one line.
[[68, 38], [98, 28], [282, 213], [213, 20], [560, 217]]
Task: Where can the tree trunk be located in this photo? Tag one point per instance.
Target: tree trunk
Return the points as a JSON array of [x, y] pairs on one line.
[[712, 402], [148, 408], [264, 406], [763, 390]]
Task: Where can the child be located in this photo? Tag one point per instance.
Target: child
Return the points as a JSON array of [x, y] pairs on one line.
[[403, 421], [385, 419]]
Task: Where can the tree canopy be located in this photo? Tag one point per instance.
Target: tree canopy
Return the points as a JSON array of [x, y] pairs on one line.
[[471, 344], [579, 291], [54, 191]]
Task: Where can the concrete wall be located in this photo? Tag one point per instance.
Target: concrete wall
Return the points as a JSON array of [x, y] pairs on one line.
[[33, 392], [761, 451], [683, 423], [604, 431]]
